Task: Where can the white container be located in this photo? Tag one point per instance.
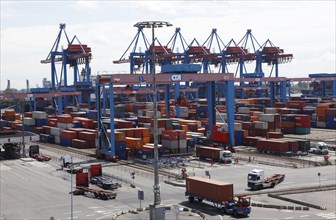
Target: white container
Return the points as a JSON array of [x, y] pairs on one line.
[[55, 131], [243, 110], [182, 144], [321, 124], [261, 125], [171, 144], [40, 115], [270, 110], [238, 126], [65, 125], [28, 121], [57, 139], [266, 117]]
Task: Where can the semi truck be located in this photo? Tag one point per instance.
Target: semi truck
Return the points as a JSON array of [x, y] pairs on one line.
[[219, 193], [256, 180], [214, 154], [97, 178], [321, 149]]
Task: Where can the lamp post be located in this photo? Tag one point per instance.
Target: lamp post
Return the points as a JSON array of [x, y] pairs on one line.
[[156, 187]]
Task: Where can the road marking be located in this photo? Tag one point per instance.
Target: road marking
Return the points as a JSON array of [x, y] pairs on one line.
[[302, 216], [220, 217], [287, 183], [289, 218], [73, 217], [68, 213], [90, 215], [327, 215], [94, 207]]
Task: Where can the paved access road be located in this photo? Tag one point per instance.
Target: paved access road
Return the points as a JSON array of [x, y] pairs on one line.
[[35, 190]]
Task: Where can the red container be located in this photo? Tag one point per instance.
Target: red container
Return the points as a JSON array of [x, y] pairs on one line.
[[82, 179], [251, 141], [46, 129], [182, 135], [138, 133], [52, 122], [271, 145], [68, 134], [96, 170], [81, 144], [302, 118], [169, 135], [220, 136], [65, 118], [84, 135], [129, 133], [296, 104], [302, 124], [274, 135], [210, 189]]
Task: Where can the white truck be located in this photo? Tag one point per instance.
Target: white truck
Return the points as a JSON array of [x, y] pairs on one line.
[[256, 180], [321, 149]]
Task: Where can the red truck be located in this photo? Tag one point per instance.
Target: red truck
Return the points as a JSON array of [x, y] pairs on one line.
[[219, 193]]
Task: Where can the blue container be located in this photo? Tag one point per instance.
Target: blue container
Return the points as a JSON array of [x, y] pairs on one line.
[[120, 146], [190, 143], [91, 114], [44, 138], [40, 122], [65, 142], [238, 136], [331, 121], [122, 155], [177, 126], [145, 154], [119, 114], [313, 124], [28, 127], [242, 117], [181, 68], [77, 124], [201, 140]]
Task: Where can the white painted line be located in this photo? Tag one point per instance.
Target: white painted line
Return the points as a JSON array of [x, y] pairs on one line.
[[89, 215], [286, 183], [103, 217], [289, 218], [68, 213], [220, 217], [94, 207], [302, 216]]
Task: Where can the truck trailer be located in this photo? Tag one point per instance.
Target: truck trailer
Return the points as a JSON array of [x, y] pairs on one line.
[[256, 179], [219, 193], [214, 154]]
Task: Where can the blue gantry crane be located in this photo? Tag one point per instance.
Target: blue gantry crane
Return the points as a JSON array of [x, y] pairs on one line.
[[73, 56]]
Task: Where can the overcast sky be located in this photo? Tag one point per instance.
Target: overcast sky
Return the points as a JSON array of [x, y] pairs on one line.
[[29, 28]]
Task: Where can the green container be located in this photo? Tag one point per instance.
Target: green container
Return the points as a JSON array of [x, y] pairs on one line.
[[304, 145], [302, 131]]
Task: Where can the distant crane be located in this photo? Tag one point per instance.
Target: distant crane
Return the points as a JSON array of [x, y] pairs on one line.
[[8, 85], [27, 85]]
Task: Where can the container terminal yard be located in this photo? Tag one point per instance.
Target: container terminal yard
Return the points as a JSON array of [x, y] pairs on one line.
[[171, 139]]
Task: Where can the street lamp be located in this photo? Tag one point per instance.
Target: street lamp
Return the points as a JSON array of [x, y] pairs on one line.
[[153, 25]]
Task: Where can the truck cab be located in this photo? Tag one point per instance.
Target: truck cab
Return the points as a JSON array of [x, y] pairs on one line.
[[225, 156], [321, 148], [255, 179], [242, 206]]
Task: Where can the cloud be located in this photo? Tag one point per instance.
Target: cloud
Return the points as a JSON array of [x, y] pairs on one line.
[[8, 11], [85, 5]]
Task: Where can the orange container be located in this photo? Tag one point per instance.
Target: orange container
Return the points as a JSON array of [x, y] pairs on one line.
[[9, 112], [119, 136], [146, 140], [17, 117], [135, 143]]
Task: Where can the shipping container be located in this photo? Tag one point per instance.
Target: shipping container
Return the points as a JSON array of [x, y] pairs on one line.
[[216, 191]]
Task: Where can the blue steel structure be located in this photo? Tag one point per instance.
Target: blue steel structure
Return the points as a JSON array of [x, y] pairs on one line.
[[321, 86], [265, 53], [74, 55], [106, 143]]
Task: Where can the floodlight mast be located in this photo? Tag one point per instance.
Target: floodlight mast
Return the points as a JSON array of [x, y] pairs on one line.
[[153, 25]]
